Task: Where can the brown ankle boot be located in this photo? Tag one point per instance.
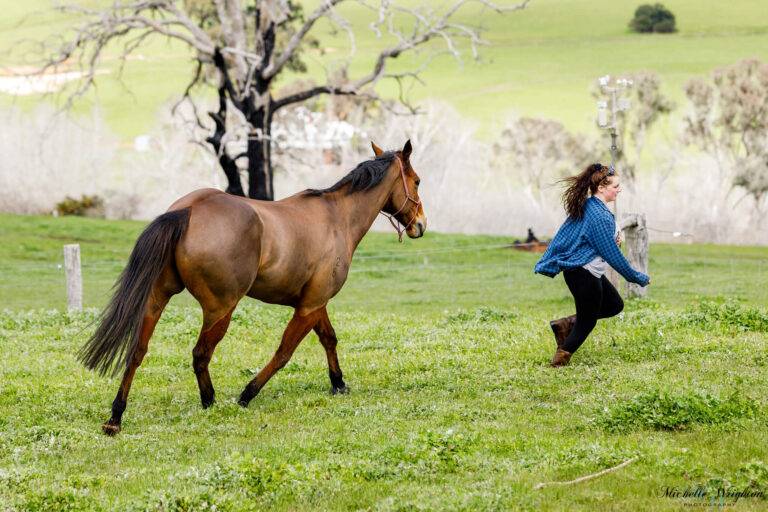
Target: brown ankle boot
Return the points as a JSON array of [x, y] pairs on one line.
[[562, 358], [562, 327]]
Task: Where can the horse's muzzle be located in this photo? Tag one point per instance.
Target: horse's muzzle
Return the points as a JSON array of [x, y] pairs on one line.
[[417, 229]]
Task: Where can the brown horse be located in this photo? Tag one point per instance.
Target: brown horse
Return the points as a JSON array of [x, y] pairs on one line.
[[295, 252]]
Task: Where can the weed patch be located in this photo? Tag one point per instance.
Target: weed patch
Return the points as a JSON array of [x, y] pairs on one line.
[[56, 501], [730, 315], [753, 475], [482, 315], [660, 410]]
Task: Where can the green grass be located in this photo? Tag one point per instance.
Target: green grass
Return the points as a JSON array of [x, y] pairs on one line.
[[444, 343], [384, 274], [541, 62]]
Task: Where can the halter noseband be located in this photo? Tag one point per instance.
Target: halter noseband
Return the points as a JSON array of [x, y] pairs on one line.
[[408, 197]]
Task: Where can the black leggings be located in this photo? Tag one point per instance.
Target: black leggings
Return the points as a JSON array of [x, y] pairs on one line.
[[595, 298]]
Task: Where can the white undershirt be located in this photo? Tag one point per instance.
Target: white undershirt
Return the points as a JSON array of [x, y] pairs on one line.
[[598, 266]]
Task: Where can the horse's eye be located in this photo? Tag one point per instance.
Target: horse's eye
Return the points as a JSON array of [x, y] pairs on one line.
[[418, 182]]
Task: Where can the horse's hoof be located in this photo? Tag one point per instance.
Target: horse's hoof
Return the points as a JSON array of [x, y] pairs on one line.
[[208, 403], [110, 430], [246, 396], [343, 390]]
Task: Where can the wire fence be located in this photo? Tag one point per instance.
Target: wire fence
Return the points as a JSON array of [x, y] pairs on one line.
[[436, 277]]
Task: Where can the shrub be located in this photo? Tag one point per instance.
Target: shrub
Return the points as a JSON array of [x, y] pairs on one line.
[[653, 18], [86, 206]]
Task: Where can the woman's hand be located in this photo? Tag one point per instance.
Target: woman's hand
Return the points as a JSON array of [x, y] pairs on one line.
[[618, 239]]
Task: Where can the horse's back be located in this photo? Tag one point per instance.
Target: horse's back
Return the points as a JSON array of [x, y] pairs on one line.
[[194, 197]]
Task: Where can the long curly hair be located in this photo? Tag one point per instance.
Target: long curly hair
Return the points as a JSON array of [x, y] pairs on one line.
[[580, 186]]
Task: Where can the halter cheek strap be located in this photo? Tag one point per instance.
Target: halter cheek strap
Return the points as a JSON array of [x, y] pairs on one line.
[[408, 198]]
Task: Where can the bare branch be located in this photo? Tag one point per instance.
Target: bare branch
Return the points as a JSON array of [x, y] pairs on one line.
[[186, 96], [226, 82], [247, 55], [226, 24], [588, 477], [115, 22], [309, 93], [293, 43], [233, 35], [425, 28], [416, 72], [237, 24]]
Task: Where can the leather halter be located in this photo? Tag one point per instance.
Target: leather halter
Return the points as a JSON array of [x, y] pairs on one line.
[[408, 197]]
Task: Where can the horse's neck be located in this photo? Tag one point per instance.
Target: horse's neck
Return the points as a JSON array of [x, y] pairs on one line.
[[361, 208]]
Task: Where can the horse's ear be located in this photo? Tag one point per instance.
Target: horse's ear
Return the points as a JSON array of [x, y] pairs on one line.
[[407, 150], [376, 149]]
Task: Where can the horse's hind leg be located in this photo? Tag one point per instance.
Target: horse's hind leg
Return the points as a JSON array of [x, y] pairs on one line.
[[327, 337], [214, 328], [297, 328], [155, 305]]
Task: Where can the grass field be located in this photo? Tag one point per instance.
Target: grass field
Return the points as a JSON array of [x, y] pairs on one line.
[[540, 63], [473, 270], [444, 343]]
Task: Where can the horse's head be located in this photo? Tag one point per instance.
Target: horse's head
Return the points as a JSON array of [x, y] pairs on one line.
[[404, 203]]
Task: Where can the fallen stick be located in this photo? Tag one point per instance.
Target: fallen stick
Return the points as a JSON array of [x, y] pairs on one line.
[[542, 484]]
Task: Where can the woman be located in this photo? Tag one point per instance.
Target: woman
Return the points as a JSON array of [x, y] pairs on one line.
[[584, 246]]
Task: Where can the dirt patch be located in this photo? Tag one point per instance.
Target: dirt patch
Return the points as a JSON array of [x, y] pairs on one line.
[[19, 82]]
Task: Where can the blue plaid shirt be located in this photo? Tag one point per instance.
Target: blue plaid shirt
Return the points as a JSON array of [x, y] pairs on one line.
[[578, 242]]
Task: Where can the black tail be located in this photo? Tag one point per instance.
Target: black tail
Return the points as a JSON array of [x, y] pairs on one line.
[[120, 322]]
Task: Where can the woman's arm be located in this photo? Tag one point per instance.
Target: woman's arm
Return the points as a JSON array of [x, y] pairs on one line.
[[600, 236]]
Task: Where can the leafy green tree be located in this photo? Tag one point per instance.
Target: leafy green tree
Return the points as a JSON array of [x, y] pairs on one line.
[[653, 18]]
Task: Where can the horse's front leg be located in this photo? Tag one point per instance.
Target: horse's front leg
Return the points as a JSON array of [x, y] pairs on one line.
[[327, 337], [297, 329]]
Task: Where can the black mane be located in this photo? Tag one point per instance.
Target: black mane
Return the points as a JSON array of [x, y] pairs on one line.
[[365, 176]]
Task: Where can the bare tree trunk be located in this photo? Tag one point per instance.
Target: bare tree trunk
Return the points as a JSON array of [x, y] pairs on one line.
[[227, 163], [259, 153], [259, 171]]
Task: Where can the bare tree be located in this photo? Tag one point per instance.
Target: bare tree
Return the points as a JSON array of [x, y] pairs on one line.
[[242, 47], [537, 152], [729, 120]]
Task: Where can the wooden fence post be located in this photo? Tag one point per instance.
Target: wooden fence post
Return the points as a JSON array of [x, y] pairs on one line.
[[636, 237], [74, 277]]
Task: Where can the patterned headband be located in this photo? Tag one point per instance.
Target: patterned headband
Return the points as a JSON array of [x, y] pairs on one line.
[[596, 167]]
